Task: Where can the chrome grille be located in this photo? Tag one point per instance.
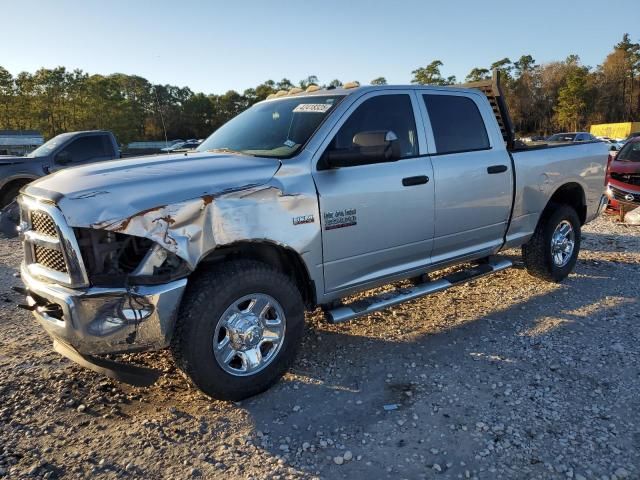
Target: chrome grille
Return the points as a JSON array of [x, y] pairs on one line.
[[50, 258], [51, 250], [43, 224], [621, 195]]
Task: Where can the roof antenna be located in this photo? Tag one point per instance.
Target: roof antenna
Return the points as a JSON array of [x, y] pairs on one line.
[[164, 128]]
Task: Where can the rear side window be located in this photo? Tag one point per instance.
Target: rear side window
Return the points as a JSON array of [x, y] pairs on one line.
[[107, 146], [87, 148], [456, 123]]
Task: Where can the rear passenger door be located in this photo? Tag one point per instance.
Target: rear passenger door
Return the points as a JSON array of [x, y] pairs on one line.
[[472, 175]]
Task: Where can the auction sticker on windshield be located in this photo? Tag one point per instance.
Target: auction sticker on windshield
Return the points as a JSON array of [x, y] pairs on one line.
[[312, 108]]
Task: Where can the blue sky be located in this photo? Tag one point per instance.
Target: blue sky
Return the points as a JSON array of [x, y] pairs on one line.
[[213, 46]]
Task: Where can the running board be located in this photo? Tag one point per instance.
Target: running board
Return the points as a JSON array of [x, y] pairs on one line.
[[359, 308]]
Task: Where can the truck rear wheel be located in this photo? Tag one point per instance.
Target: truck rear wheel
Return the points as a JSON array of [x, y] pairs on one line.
[[552, 252], [238, 329]]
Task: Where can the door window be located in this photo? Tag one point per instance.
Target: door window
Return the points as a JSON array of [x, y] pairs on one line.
[[85, 148], [382, 113], [456, 123]]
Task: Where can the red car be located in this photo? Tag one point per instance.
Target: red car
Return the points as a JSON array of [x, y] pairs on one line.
[[623, 177]]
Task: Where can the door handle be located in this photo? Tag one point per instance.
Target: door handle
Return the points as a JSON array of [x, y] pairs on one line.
[[496, 169], [418, 180]]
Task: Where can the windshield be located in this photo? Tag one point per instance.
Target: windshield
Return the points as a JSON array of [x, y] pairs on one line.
[[562, 137], [272, 129], [629, 153], [48, 147]]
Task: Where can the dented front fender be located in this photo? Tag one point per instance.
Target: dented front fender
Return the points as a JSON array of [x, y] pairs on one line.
[[219, 202]]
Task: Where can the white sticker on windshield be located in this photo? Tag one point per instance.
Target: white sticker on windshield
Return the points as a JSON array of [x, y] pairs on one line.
[[290, 143], [312, 108]]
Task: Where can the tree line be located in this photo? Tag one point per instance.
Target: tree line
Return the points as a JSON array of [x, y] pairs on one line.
[[542, 98]]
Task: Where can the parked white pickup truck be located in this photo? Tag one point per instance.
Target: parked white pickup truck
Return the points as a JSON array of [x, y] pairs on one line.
[[298, 202]]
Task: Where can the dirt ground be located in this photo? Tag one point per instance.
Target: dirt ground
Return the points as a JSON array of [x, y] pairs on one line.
[[506, 377]]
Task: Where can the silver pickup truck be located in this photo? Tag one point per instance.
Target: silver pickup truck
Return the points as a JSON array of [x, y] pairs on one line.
[[297, 203]]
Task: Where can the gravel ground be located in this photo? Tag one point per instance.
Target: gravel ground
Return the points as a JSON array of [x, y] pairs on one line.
[[506, 377]]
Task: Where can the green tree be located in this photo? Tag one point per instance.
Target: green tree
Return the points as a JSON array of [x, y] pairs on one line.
[[7, 96], [284, 84], [525, 63], [572, 102], [198, 114], [379, 81], [504, 66], [430, 75], [335, 83], [477, 74], [524, 96], [631, 54], [611, 79], [310, 80]]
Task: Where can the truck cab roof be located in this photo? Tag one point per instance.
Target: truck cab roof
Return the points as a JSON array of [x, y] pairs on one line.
[[350, 90], [489, 88]]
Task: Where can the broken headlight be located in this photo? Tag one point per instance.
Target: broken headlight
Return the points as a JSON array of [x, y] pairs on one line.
[[117, 259]]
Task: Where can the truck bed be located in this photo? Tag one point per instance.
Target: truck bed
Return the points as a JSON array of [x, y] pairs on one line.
[[539, 172]]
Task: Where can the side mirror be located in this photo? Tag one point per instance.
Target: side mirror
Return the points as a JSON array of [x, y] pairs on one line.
[[63, 157], [367, 148]]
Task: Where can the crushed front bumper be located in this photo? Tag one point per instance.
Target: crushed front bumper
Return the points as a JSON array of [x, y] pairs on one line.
[[106, 320]]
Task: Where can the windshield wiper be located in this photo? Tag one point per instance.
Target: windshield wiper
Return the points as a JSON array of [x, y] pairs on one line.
[[228, 150]]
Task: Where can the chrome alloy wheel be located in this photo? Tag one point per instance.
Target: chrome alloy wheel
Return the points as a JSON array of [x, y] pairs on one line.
[[563, 242], [249, 335]]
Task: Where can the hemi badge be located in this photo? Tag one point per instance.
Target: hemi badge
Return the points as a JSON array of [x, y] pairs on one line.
[[303, 219]]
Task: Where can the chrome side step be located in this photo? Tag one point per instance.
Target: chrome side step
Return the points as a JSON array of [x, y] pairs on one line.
[[359, 308]]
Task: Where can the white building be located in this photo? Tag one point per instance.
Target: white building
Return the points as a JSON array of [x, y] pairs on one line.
[[19, 142]]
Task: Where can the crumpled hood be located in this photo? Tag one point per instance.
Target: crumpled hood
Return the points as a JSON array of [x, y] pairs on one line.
[[109, 191]]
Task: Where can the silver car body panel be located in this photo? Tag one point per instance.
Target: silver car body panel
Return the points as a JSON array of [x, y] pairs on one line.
[[374, 200], [195, 203], [470, 216], [540, 173]]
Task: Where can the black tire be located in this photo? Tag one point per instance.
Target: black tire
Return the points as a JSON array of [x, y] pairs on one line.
[[10, 219], [9, 195], [537, 253], [208, 296]]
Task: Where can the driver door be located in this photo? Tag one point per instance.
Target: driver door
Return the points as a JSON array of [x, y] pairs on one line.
[[377, 219]]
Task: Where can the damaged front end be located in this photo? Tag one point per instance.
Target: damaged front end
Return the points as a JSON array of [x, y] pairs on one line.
[[109, 248], [98, 291], [116, 259]]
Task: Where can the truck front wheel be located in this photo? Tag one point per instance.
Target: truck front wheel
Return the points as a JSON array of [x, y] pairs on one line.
[[238, 328], [552, 252]]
